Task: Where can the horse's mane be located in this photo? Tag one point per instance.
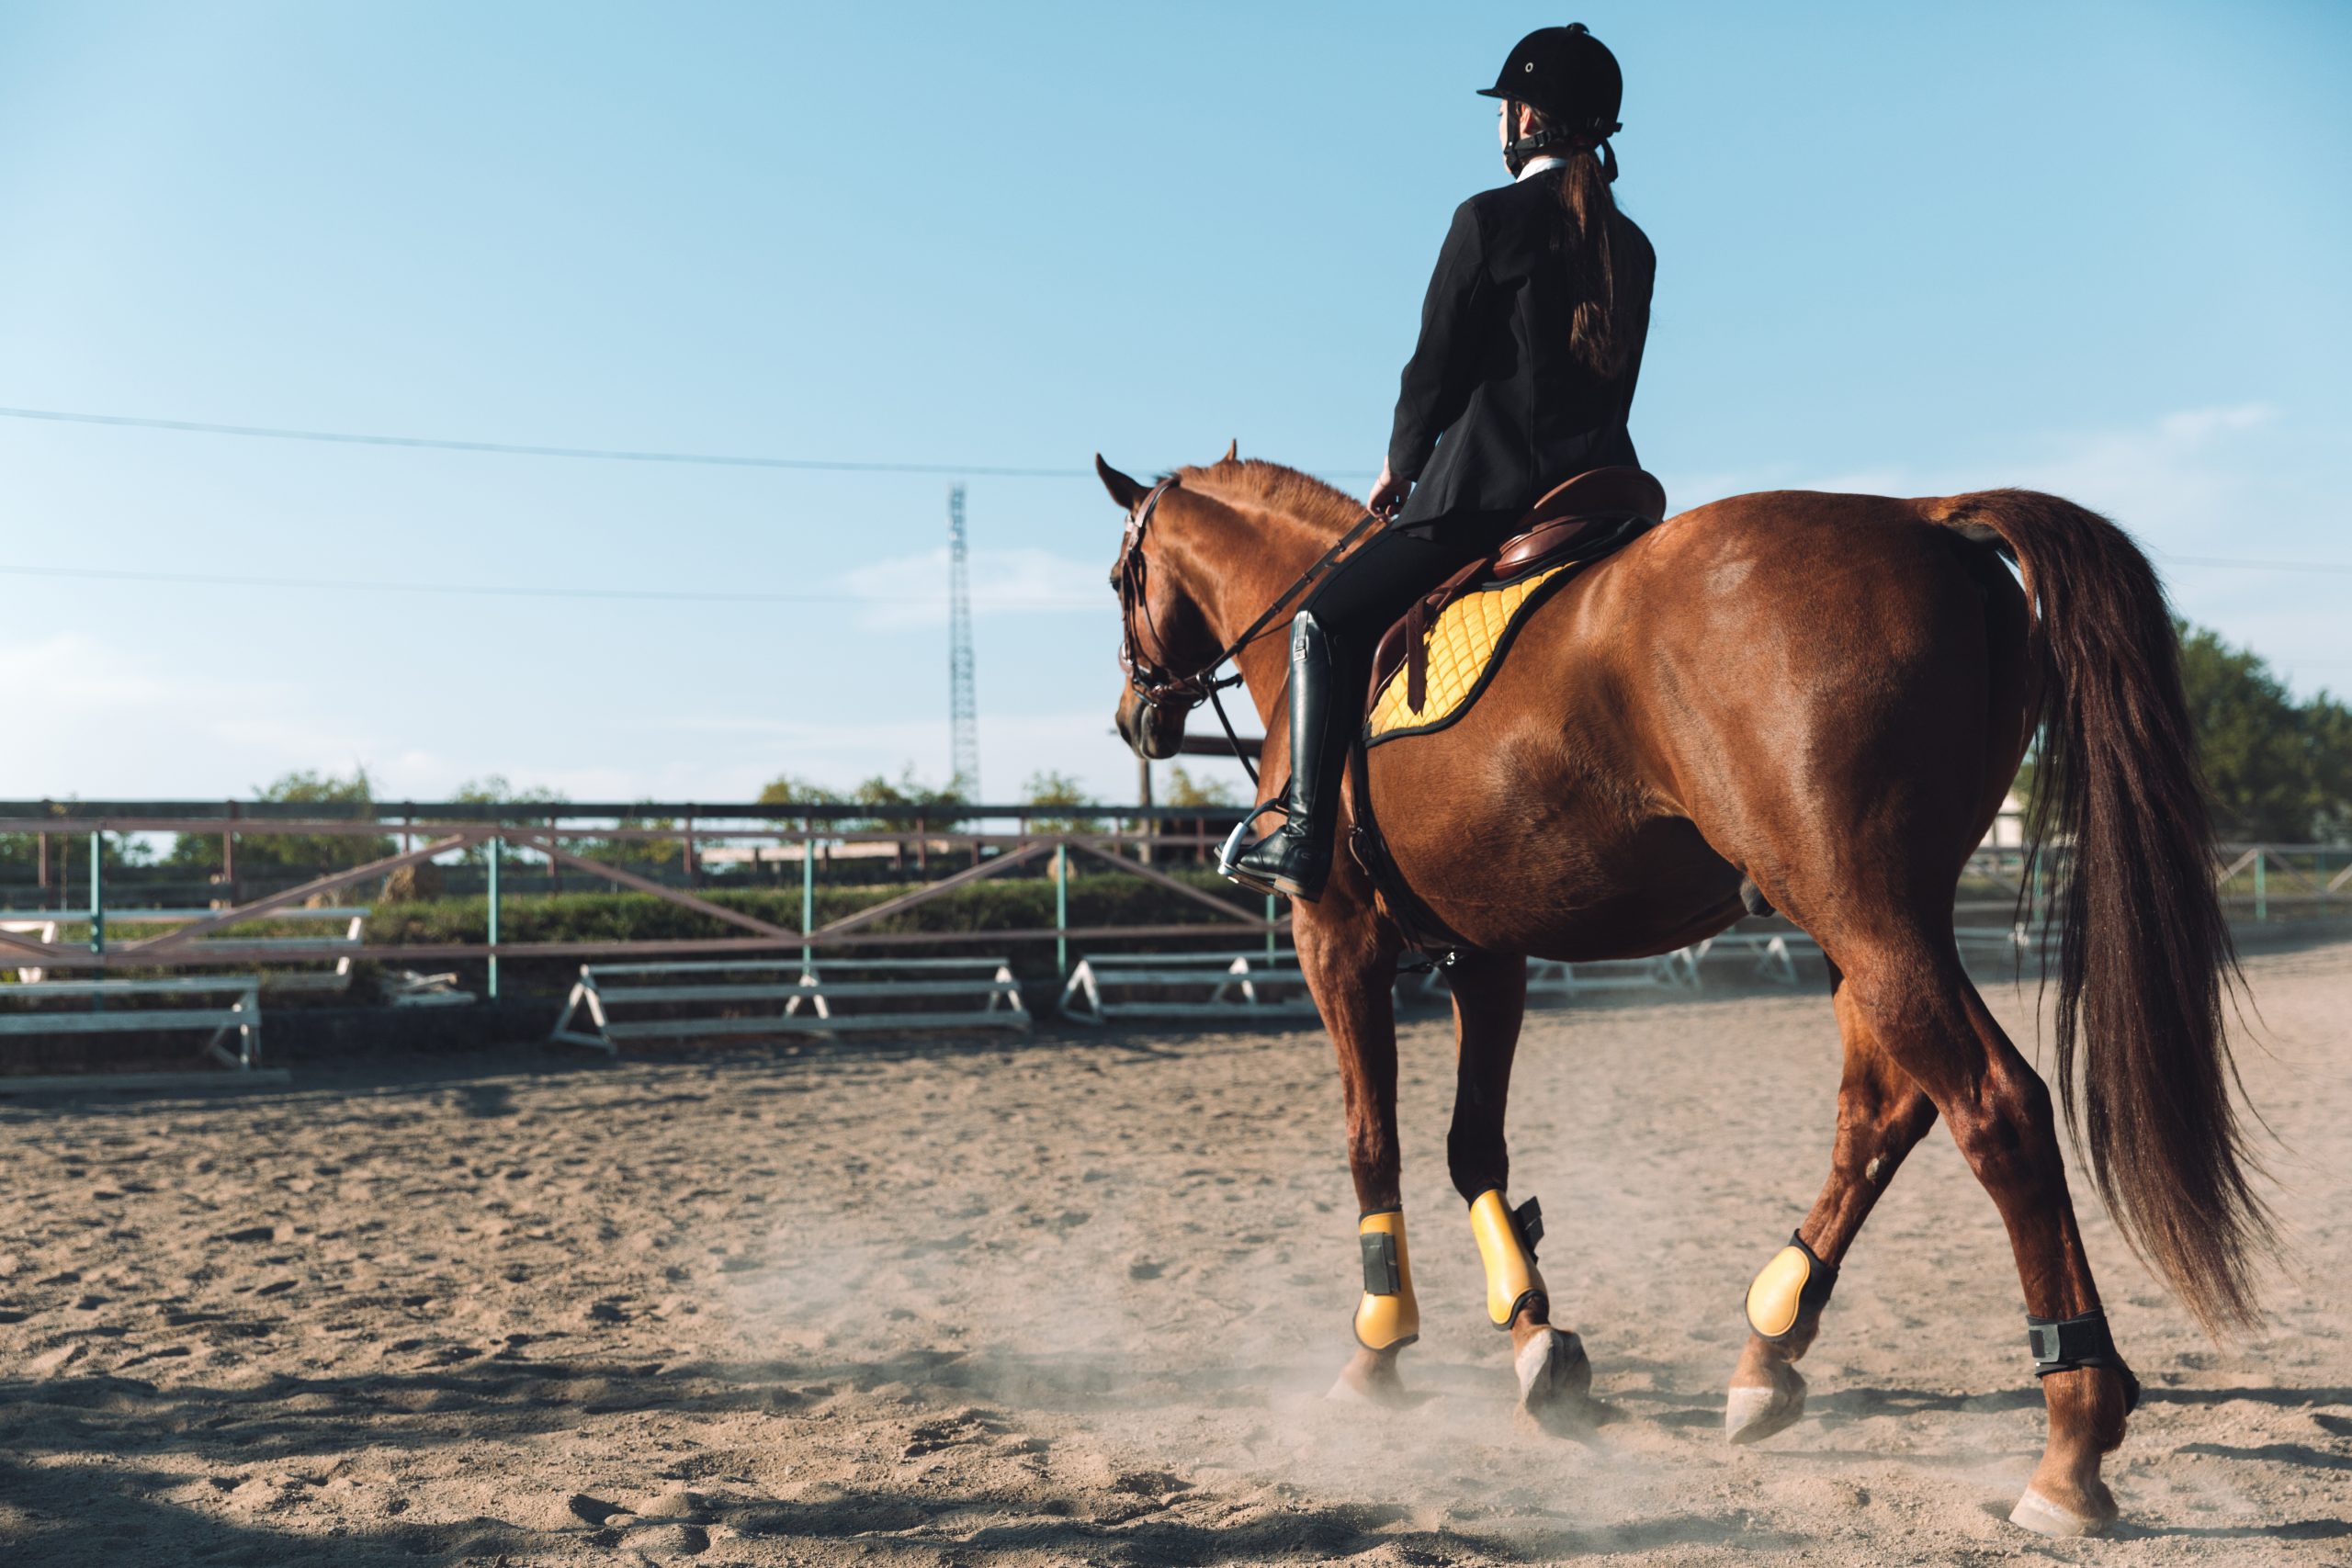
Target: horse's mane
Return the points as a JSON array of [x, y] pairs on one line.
[[1253, 484]]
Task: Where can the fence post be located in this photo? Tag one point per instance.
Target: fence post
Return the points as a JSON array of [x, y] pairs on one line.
[[1061, 911], [497, 847], [807, 885], [97, 893], [2261, 888], [1271, 913]]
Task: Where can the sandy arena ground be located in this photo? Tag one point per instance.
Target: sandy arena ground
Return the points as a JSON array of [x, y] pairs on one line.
[[1078, 1301]]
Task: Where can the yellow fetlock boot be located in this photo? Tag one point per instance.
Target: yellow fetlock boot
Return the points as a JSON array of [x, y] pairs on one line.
[[1794, 1283], [1507, 1241], [1388, 1318]]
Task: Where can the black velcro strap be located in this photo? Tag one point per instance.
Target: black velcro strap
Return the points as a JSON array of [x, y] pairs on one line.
[[1819, 1280], [1528, 1218], [2063, 1345], [1381, 1276]]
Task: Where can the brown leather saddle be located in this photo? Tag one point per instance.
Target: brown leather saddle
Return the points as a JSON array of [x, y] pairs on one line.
[[1592, 515]]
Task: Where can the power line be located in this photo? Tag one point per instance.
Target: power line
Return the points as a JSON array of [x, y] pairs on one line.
[[508, 590], [513, 449], [2333, 566], [723, 596], [599, 454], [719, 459]]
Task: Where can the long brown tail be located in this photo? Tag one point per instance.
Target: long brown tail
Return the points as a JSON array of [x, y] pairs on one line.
[[2145, 951]]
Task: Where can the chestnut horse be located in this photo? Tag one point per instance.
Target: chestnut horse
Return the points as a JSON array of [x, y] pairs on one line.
[[1830, 695]]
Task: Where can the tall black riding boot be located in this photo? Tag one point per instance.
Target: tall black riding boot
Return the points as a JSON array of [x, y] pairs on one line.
[[1295, 858]]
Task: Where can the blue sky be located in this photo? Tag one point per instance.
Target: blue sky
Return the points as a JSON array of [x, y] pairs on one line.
[[2098, 249]]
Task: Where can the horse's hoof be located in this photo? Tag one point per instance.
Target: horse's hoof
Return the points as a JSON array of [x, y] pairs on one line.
[[1370, 1378], [2043, 1517], [1552, 1371], [1752, 1414], [1555, 1382]]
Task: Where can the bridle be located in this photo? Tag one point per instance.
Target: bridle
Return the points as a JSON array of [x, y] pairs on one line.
[[1149, 676]]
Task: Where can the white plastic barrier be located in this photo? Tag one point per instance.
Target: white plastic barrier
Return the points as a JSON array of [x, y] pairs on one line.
[[2012, 941], [822, 996], [1772, 954], [44, 925], [1557, 978], [1240, 987], [227, 1006]]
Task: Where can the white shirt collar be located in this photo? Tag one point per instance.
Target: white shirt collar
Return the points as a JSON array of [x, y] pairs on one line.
[[1535, 166]]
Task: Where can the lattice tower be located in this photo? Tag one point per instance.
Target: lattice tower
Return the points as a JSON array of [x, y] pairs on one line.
[[963, 715]]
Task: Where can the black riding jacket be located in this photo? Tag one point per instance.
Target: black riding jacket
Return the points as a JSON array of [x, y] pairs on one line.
[[1495, 408]]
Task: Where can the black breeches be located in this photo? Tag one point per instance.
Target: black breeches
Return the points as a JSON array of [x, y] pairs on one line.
[[1363, 596]]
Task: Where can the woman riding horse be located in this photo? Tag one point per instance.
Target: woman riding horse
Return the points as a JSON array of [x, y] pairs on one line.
[[1531, 340]]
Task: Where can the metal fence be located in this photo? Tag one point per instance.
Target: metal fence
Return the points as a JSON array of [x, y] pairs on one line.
[[740, 846], [972, 843]]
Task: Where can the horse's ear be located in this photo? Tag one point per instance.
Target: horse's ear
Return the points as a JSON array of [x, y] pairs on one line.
[[1123, 491], [1232, 452]]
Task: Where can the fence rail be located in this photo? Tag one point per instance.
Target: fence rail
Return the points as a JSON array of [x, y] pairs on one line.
[[2260, 877]]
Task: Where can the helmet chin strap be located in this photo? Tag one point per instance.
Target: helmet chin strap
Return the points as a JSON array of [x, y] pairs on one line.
[[1555, 139]]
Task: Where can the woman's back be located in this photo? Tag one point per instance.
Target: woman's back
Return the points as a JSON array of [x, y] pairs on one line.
[[1521, 405]]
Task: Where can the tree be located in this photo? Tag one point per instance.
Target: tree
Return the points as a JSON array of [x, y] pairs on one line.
[[788, 789], [906, 791], [69, 856], [491, 789], [2275, 769], [1048, 787], [1183, 789], [313, 853]]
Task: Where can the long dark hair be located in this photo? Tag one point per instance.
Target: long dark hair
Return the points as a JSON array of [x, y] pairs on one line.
[[1599, 333]]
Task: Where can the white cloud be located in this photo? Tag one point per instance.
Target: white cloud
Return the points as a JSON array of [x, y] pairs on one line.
[[85, 712], [2231, 481], [1024, 581]]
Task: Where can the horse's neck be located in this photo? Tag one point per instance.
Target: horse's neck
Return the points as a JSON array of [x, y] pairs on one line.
[[1238, 558]]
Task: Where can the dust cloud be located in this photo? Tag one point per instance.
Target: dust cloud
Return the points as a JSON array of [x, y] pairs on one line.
[[1079, 1300]]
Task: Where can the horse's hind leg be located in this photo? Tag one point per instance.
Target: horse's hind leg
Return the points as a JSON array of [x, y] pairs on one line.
[[1489, 1003], [1881, 1114], [1911, 991]]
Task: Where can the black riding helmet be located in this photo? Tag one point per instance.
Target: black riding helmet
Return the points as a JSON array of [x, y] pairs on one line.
[[1572, 77]]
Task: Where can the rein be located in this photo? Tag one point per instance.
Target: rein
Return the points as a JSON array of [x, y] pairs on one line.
[[1154, 682]]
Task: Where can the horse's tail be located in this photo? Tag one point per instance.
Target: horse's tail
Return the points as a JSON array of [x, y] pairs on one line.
[[2145, 953]]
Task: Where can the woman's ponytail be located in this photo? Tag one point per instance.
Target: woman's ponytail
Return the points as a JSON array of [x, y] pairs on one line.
[[1599, 333]]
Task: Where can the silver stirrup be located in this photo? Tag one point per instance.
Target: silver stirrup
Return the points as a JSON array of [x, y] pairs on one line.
[[1228, 858]]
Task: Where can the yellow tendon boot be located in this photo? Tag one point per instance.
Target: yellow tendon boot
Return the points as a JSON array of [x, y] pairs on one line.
[[1388, 1318], [1794, 1282], [1507, 1246]]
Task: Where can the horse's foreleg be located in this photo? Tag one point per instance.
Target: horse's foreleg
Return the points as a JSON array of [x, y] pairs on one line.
[[1350, 972], [1489, 1003], [1881, 1114]]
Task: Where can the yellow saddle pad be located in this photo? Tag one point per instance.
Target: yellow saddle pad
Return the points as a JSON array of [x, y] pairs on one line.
[[1465, 641]]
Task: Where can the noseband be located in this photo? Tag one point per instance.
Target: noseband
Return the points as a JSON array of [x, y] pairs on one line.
[[1161, 688], [1158, 686]]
